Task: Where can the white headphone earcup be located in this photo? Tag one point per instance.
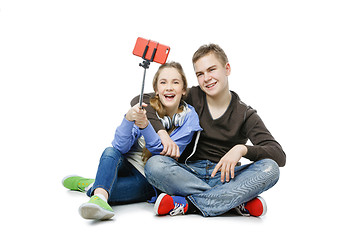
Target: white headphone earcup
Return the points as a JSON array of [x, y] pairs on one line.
[[179, 118], [166, 121], [175, 119]]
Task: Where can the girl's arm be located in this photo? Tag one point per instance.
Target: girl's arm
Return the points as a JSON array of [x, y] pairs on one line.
[[181, 136], [154, 144], [152, 140], [125, 136], [128, 132]]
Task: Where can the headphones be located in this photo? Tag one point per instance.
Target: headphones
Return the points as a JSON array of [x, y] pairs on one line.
[[177, 120]]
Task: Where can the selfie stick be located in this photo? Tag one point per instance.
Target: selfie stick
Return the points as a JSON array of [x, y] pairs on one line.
[[145, 64]]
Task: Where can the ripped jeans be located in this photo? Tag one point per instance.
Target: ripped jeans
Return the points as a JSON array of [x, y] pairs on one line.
[[212, 197]]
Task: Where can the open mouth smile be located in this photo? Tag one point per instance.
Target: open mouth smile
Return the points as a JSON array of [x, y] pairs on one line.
[[169, 96]]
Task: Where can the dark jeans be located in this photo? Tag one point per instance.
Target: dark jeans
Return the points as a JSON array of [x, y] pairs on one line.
[[123, 182]]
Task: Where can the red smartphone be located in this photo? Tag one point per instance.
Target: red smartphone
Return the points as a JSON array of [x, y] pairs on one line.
[[143, 45]]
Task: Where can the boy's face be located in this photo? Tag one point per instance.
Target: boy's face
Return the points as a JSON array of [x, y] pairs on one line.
[[212, 75]]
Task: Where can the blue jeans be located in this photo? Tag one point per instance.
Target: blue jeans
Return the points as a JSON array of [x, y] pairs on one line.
[[212, 197], [123, 182]]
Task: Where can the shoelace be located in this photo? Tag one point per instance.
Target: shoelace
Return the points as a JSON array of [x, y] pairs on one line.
[[242, 210], [84, 187], [178, 209]]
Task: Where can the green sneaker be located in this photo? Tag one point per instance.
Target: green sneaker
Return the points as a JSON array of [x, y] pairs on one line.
[[77, 183], [96, 209]]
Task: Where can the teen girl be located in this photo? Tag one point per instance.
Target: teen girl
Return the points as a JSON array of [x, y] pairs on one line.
[[120, 176]]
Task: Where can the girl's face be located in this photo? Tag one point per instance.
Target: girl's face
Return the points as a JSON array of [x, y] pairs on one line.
[[170, 89]]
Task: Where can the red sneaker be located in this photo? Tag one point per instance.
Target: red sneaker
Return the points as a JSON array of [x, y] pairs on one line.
[[255, 207], [173, 205]]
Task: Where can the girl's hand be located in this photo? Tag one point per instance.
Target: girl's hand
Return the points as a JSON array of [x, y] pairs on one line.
[[138, 115]]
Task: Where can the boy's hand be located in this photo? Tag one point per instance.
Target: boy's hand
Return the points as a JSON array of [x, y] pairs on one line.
[[228, 162]]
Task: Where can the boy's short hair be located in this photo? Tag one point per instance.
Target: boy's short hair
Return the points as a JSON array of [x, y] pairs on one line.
[[208, 49]]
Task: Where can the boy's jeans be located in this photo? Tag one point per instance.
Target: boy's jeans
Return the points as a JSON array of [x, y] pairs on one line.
[[211, 196], [123, 182]]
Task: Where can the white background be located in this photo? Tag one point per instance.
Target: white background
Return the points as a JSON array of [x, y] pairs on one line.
[[67, 75]]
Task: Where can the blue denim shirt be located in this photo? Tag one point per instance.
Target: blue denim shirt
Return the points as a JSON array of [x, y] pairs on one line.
[[127, 134]]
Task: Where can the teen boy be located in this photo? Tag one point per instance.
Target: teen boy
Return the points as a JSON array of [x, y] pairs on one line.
[[208, 178]]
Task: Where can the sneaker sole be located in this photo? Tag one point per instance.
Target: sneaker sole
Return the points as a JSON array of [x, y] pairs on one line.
[[93, 211], [68, 176], [264, 206], [158, 201]]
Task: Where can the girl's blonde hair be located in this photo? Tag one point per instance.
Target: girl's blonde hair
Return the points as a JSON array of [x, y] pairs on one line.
[[155, 101]]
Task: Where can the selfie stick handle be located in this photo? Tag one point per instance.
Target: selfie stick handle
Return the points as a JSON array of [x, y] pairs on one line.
[[145, 64], [142, 90]]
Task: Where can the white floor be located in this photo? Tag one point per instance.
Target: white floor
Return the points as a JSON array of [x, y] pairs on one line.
[[54, 214]]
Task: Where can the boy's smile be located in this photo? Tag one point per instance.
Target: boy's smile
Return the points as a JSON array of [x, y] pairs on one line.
[[210, 85]]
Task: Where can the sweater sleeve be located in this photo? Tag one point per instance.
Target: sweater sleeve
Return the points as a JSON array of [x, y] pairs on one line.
[[264, 144], [152, 140], [150, 112], [125, 136]]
